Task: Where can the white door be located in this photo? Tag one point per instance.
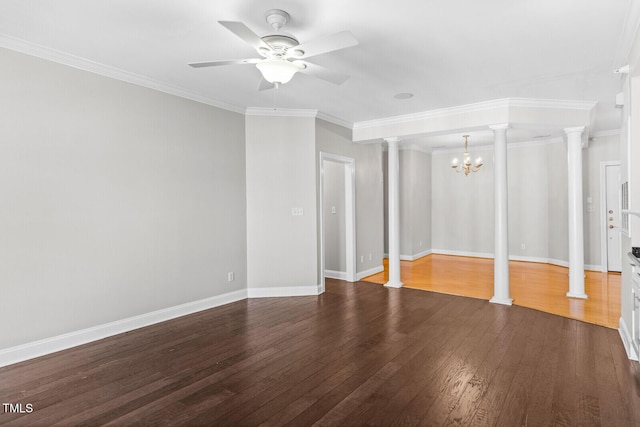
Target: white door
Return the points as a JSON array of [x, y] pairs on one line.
[[613, 217]]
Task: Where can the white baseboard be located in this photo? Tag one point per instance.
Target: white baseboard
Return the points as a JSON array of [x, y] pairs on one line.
[[415, 256], [332, 274], [39, 348], [411, 257], [530, 259], [551, 261], [627, 341], [375, 270], [462, 253], [285, 291], [558, 262]]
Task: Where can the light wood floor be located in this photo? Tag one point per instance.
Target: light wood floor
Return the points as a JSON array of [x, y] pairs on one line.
[[534, 285]]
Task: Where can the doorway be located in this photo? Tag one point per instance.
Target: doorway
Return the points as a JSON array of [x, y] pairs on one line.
[[337, 222], [611, 212]]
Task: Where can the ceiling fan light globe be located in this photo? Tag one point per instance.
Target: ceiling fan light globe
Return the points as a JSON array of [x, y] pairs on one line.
[[277, 70]]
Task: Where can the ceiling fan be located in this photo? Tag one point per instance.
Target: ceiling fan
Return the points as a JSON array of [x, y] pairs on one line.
[[281, 54]]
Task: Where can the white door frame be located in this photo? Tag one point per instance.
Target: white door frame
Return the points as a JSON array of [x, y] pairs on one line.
[[350, 214], [603, 213]]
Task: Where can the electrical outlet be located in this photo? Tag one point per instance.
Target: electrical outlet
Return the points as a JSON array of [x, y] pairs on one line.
[[369, 256], [361, 258], [297, 211], [523, 246], [230, 276]]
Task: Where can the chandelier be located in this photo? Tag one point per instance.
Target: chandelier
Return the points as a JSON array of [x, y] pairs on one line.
[[466, 165]]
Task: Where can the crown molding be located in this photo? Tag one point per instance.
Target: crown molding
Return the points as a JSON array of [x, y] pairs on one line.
[[335, 120], [510, 145], [552, 103], [280, 112], [80, 63], [417, 147], [477, 107], [605, 133], [441, 112]]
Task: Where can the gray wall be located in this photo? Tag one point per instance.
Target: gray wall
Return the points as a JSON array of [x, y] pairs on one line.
[[528, 176], [463, 206], [331, 138], [558, 204], [281, 175], [415, 202], [420, 197], [334, 217], [116, 200]]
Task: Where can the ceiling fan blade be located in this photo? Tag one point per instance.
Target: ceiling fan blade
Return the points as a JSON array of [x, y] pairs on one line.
[[322, 45], [323, 73], [245, 33], [227, 62], [265, 85]]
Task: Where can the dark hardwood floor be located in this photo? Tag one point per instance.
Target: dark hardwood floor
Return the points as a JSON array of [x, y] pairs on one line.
[[360, 354]]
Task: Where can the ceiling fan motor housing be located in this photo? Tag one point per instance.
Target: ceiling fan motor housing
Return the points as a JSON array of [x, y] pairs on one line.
[[279, 41], [277, 18]]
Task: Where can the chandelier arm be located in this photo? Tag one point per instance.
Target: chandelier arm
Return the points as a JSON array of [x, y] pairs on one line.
[[466, 166]]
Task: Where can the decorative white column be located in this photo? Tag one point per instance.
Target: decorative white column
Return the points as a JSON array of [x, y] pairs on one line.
[[501, 227], [576, 238], [393, 173]]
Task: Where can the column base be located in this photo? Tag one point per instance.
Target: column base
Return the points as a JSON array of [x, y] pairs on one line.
[[575, 295], [394, 284], [503, 301]]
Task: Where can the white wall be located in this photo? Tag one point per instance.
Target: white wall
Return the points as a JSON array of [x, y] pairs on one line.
[[331, 138], [116, 200], [630, 156], [282, 249]]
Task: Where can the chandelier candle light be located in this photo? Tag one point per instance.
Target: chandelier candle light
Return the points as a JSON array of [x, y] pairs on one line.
[[466, 165]]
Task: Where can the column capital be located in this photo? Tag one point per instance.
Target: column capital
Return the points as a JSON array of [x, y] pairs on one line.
[[499, 126], [576, 129], [392, 140], [576, 134]]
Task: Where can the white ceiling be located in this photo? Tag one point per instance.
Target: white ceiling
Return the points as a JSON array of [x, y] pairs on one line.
[[446, 52]]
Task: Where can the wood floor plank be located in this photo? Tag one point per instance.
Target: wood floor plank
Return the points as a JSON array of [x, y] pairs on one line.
[[519, 393], [446, 314], [499, 369], [416, 373], [360, 354], [314, 385]]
